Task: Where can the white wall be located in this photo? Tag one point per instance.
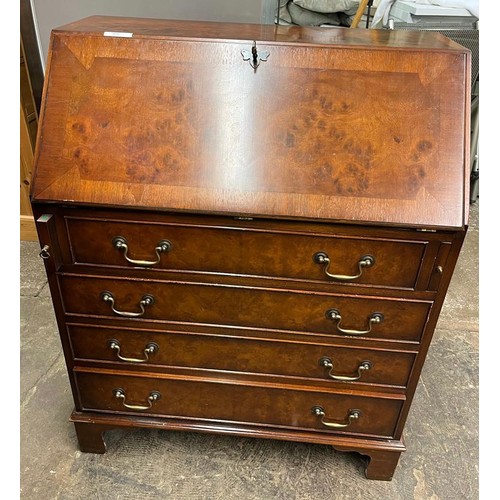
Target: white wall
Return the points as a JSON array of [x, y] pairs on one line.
[[50, 14]]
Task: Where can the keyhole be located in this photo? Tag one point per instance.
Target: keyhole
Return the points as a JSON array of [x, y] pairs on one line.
[[254, 55]]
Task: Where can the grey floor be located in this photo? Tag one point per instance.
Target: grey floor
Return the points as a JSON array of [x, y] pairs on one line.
[[441, 433]]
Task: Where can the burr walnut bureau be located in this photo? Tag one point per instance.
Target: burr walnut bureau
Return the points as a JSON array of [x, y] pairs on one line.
[[250, 230]]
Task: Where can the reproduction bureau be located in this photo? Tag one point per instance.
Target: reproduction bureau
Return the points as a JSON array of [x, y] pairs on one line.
[[250, 230]]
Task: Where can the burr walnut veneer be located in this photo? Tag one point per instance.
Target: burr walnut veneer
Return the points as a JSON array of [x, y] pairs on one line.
[[250, 230]]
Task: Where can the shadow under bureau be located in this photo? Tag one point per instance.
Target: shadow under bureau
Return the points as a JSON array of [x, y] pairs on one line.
[[250, 230]]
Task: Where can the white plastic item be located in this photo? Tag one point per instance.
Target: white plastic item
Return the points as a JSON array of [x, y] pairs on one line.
[[471, 5], [382, 14]]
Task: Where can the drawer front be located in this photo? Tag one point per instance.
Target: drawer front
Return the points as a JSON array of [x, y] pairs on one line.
[[327, 362], [247, 251], [237, 403], [245, 307]]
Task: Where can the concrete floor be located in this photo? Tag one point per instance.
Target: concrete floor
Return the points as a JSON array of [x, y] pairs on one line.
[[441, 433]]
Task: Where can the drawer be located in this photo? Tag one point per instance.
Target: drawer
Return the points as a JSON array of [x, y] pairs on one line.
[[297, 359], [246, 251], [230, 305], [226, 402]]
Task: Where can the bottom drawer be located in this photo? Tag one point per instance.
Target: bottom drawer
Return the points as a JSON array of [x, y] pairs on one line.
[[224, 402]]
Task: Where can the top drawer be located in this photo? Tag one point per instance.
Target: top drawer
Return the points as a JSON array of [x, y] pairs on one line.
[[254, 251]]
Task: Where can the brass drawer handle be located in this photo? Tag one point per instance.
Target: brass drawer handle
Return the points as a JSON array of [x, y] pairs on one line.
[[153, 396], [150, 348], [351, 416], [373, 319], [164, 246], [327, 363], [147, 300], [365, 261]]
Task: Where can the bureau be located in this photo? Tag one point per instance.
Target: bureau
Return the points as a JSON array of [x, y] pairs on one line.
[[250, 230]]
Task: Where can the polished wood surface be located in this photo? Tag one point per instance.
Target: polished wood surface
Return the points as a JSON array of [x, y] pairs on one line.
[[347, 142], [91, 426], [247, 235], [160, 122], [208, 351], [246, 250], [240, 306], [239, 403], [303, 35]]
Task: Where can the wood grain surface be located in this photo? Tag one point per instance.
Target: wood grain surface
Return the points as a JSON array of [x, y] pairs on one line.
[[240, 403], [347, 142], [202, 247], [245, 306], [222, 353], [316, 131]]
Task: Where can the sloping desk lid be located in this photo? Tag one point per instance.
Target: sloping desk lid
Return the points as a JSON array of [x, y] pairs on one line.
[[366, 126]]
